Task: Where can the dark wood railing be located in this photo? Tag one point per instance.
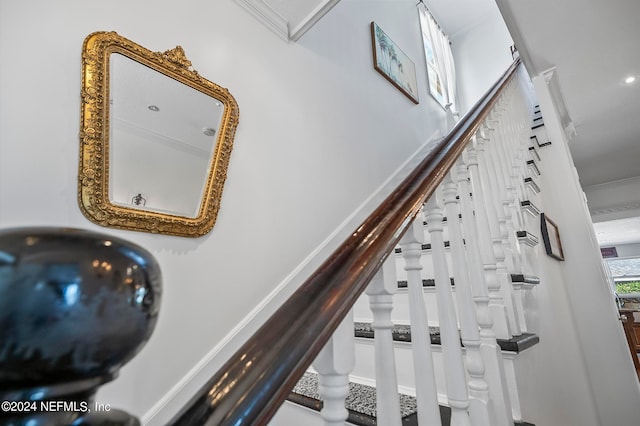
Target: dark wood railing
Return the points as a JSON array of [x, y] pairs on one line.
[[252, 385]]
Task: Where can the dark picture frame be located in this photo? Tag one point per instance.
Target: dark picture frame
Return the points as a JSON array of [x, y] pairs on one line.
[[551, 237], [394, 65]]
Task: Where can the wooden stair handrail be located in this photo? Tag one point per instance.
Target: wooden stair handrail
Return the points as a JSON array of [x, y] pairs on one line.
[[252, 385]]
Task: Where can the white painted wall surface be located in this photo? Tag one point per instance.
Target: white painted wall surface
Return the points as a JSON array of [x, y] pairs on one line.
[[482, 55], [582, 355], [319, 131], [582, 341]]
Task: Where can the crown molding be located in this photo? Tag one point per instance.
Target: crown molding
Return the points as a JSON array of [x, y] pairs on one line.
[[268, 16], [280, 24], [310, 20]]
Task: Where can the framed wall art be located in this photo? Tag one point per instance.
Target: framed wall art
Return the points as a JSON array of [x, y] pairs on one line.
[[551, 237], [394, 65]]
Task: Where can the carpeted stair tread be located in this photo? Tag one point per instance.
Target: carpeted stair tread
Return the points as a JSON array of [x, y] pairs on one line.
[[361, 402]]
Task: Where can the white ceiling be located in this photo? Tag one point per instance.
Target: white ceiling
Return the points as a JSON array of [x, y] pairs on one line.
[[621, 231], [593, 46]]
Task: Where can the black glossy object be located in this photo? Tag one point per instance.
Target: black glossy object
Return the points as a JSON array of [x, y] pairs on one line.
[[74, 307]]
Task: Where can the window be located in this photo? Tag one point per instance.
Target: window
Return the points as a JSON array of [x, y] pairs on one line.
[[625, 273], [439, 60]]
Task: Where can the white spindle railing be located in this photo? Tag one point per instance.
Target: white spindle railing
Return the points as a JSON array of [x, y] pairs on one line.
[[333, 364], [489, 245], [479, 278], [449, 336], [485, 188], [480, 412], [380, 291], [426, 387], [494, 196]]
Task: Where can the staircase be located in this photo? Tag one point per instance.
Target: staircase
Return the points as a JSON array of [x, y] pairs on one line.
[[448, 323], [466, 339]]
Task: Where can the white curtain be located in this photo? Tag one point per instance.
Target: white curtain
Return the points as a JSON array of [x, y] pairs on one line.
[[437, 42]]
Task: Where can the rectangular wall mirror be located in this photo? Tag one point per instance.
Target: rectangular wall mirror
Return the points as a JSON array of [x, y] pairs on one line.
[[155, 139]]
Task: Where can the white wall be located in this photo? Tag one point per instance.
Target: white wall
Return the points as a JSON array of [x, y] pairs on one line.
[[319, 131], [482, 55], [582, 355], [582, 341]]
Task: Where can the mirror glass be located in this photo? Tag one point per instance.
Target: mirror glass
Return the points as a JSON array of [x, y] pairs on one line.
[[163, 134], [156, 139]]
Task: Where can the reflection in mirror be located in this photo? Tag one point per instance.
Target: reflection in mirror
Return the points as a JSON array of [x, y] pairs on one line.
[[156, 139], [160, 151]]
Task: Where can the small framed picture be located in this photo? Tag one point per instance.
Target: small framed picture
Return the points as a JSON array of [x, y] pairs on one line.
[[551, 237]]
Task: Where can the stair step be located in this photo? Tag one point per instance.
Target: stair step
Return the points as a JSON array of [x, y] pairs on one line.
[[426, 246], [361, 403], [529, 181], [534, 153], [525, 237], [529, 207], [426, 282], [525, 279], [533, 166], [402, 333], [535, 139]]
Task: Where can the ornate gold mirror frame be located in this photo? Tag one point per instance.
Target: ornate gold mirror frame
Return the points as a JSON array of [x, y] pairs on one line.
[[95, 157]]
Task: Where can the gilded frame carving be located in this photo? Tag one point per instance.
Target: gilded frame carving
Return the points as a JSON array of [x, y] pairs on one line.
[[93, 176]]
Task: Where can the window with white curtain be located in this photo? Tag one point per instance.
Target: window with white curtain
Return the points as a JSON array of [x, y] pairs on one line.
[[439, 59]]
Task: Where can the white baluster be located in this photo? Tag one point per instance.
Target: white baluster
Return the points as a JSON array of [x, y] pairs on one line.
[[480, 411], [512, 223], [333, 364], [380, 291], [426, 388], [510, 187], [515, 151], [489, 248], [449, 336], [476, 243], [490, 175], [508, 152]]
